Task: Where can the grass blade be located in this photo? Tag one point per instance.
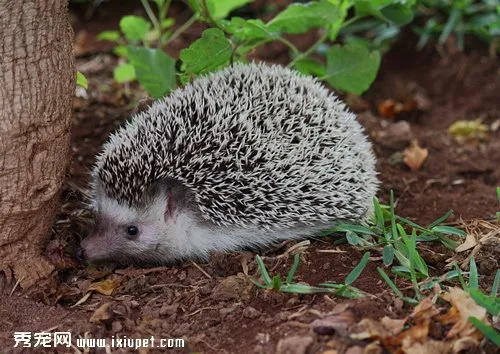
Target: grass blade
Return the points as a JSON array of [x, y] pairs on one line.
[[354, 274], [293, 269], [490, 303], [388, 255], [496, 282], [488, 331], [263, 271], [473, 277], [450, 25], [449, 230]]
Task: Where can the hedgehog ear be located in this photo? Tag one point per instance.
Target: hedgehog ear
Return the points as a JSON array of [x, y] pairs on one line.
[[170, 208]]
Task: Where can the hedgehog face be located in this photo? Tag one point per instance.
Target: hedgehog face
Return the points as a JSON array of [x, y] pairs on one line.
[[127, 234]]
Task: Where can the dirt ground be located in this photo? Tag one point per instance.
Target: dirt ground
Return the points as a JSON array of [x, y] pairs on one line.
[[213, 306]]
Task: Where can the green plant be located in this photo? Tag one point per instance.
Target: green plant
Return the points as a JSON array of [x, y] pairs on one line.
[[460, 17], [498, 197], [351, 66], [398, 237], [345, 290], [491, 303], [81, 80]]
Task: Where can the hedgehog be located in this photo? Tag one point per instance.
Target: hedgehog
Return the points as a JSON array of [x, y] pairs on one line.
[[240, 158]]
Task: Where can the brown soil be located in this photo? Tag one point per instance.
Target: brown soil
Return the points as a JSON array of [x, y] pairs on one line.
[[217, 310]]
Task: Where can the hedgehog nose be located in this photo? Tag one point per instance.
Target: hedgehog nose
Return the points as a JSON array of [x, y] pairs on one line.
[[80, 254]]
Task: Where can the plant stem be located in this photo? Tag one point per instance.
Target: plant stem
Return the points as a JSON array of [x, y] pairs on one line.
[[288, 44], [323, 38], [309, 50], [183, 28], [151, 15]]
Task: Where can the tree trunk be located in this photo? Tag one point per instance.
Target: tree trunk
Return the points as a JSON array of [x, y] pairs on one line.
[[37, 82]]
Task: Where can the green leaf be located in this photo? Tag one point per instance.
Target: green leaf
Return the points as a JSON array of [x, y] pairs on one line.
[[490, 303], [450, 25], [81, 80], [134, 28], [263, 270], [496, 282], [121, 51], [112, 36], [488, 331], [293, 269], [343, 7], [352, 68], [299, 18], [209, 52], [221, 8], [124, 72], [276, 283], [167, 23], [155, 70], [397, 14], [449, 230], [310, 66], [388, 255], [473, 276], [244, 30], [355, 273]]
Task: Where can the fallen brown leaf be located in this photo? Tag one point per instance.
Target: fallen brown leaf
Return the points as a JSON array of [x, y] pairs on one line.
[[105, 287], [463, 306], [101, 314], [414, 156]]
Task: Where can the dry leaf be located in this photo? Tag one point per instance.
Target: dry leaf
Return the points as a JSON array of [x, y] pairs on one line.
[[463, 130], [101, 314], [470, 242], [105, 287], [425, 310], [414, 156], [390, 108], [463, 306], [394, 326]]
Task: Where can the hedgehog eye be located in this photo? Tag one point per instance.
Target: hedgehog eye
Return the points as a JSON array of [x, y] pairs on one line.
[[132, 230]]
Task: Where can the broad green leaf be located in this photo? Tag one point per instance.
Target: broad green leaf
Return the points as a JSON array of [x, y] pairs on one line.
[[343, 7], [221, 8], [310, 66], [207, 53], [245, 30], [355, 273], [112, 36], [134, 28], [124, 72], [299, 18], [397, 14], [155, 70], [81, 80], [352, 68], [218, 9]]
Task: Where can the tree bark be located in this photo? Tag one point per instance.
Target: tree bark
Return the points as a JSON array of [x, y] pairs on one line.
[[37, 82]]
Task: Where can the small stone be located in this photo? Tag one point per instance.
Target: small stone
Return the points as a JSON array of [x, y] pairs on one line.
[[251, 312], [326, 266], [116, 327], [294, 345], [229, 288], [134, 304], [396, 136]]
